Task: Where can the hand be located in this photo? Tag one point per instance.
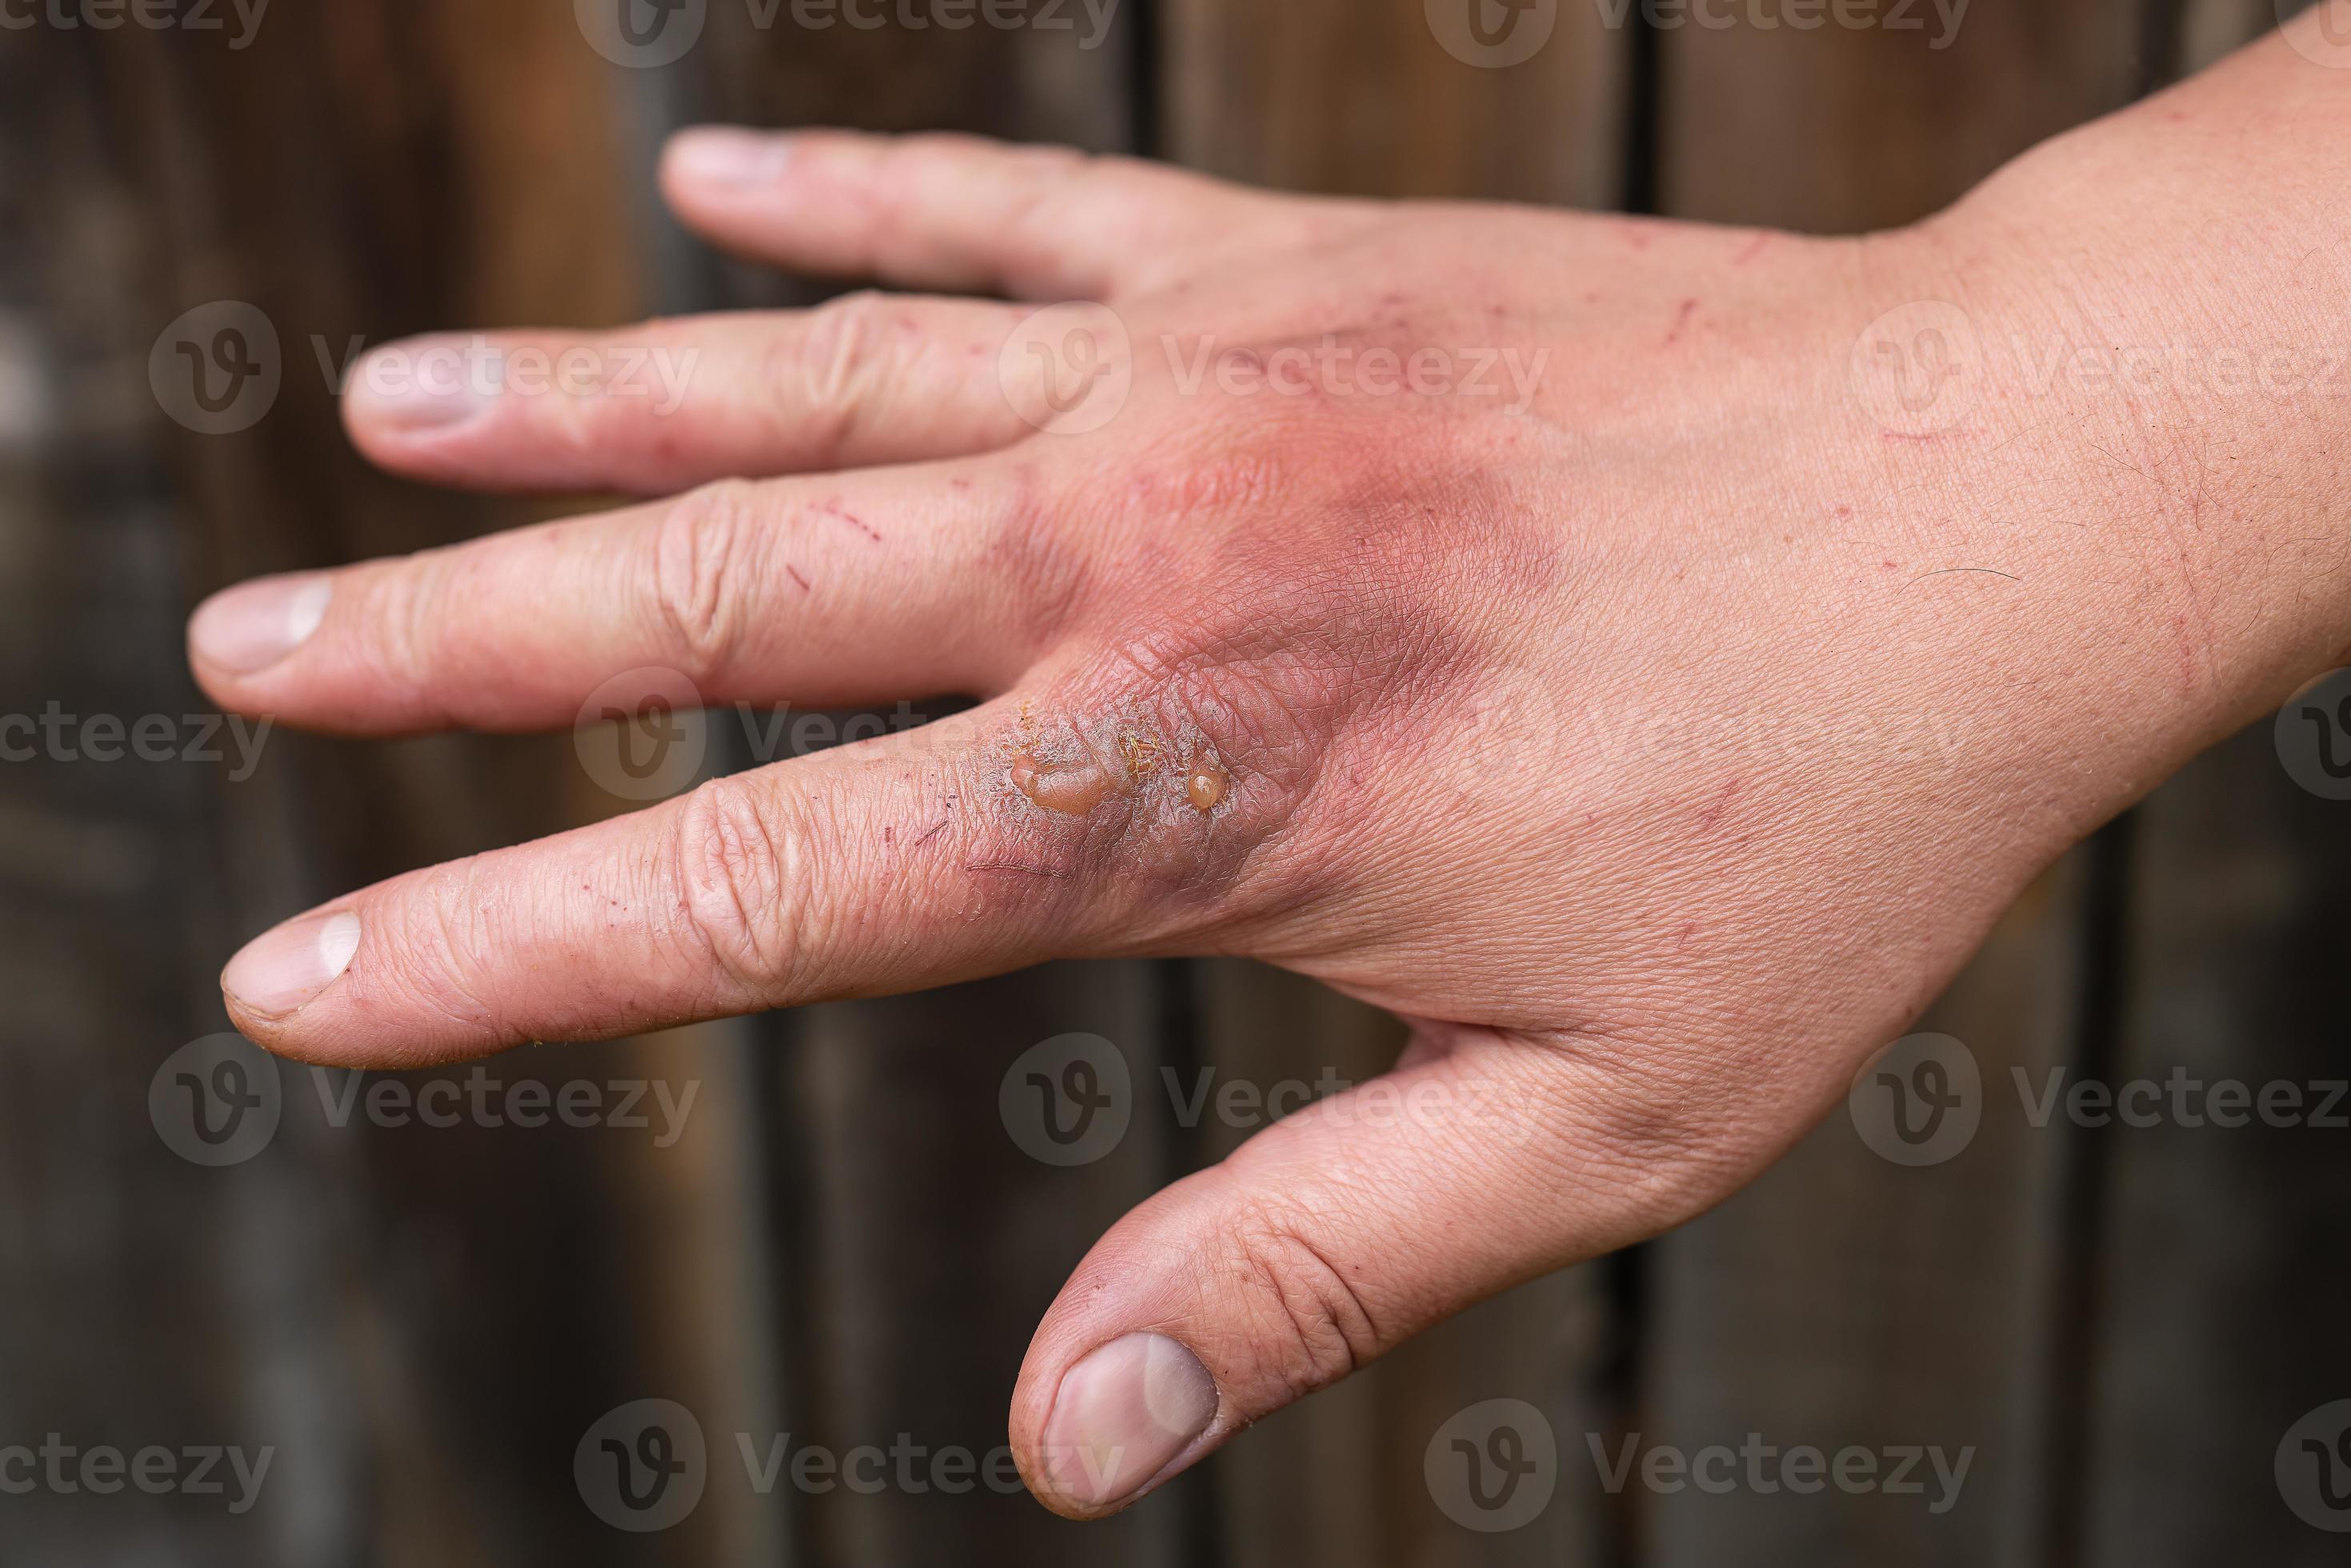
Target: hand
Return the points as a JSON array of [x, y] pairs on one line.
[[1659, 745]]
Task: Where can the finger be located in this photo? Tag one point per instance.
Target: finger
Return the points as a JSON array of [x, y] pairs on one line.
[[1324, 1242], [882, 584], [961, 849], [944, 212], [863, 381]]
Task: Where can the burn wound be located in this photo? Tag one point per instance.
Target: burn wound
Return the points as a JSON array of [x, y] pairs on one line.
[[1072, 790], [1206, 785]]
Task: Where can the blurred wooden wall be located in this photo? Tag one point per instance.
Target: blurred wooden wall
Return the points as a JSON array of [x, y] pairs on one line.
[[846, 1246]]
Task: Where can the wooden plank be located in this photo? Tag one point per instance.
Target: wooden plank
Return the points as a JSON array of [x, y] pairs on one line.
[[1341, 97], [2211, 28], [1841, 130], [2226, 1261], [425, 1321], [122, 1327], [1844, 1301]]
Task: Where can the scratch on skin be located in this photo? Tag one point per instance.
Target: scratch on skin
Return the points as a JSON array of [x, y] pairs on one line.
[[794, 573], [2191, 654], [1681, 322], [1754, 248], [1713, 813], [835, 509], [1019, 870], [1954, 570]]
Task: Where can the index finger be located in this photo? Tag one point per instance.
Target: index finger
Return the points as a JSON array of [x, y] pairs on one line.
[[972, 846]]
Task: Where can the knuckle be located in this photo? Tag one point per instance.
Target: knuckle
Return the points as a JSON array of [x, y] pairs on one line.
[[703, 544], [423, 951], [1310, 1323], [825, 378], [400, 612], [736, 863], [1160, 794]]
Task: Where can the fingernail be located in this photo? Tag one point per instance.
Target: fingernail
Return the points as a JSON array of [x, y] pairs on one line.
[[285, 969], [432, 383], [720, 156], [1121, 1413], [253, 625]]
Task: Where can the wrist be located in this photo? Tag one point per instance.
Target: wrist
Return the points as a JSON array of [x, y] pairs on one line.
[[2166, 406]]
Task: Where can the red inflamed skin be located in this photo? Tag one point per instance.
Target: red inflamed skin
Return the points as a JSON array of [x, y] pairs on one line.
[[1646, 657]]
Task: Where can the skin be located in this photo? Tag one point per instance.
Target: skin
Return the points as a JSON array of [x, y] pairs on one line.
[[1660, 750]]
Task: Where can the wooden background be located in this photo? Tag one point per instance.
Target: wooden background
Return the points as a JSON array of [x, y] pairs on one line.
[[847, 1247]]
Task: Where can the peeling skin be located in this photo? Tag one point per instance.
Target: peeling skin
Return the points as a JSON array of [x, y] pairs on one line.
[[1072, 791], [1142, 757]]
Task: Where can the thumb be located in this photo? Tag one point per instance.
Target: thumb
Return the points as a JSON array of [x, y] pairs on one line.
[[1482, 1161]]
